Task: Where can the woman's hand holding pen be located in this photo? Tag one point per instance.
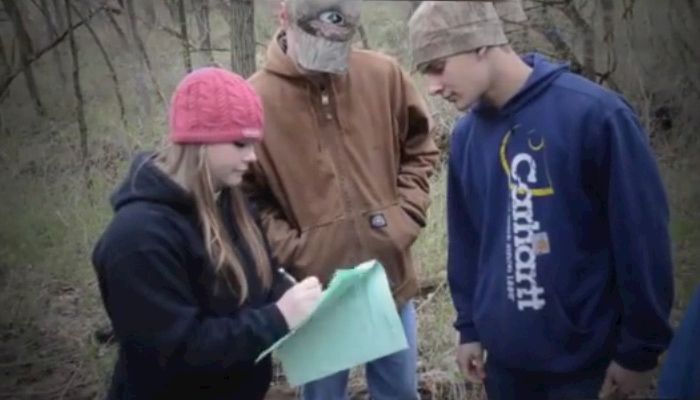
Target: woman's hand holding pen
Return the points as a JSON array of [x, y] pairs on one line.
[[297, 303]]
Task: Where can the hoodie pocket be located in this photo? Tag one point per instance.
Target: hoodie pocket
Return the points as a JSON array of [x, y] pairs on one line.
[[391, 229], [566, 325], [526, 338], [388, 235], [561, 327], [325, 248]]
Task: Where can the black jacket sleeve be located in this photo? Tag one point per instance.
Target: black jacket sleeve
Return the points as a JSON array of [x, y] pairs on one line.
[[280, 283], [149, 299]]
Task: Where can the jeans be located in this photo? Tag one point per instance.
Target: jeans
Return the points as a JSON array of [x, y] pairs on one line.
[[504, 383], [390, 377]]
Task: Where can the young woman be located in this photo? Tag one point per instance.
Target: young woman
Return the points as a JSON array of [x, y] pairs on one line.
[[184, 271]]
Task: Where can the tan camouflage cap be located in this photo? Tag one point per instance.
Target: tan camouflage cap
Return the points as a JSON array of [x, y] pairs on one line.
[[323, 31], [510, 10], [440, 29]]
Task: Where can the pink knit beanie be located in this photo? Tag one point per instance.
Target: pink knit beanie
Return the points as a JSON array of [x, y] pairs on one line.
[[213, 105]]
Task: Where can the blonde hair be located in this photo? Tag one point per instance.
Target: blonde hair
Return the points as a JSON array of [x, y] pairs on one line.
[[187, 162]]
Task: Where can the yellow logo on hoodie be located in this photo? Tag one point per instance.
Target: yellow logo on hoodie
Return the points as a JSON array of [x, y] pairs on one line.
[[536, 145]]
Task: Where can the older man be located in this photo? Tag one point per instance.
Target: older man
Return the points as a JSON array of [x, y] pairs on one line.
[[343, 172]]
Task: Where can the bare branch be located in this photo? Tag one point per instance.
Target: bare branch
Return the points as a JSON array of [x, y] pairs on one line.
[[363, 36], [185, 37], [694, 9], [53, 32], [608, 7], [142, 48], [204, 27], [550, 34], [242, 36], [583, 28], [8, 79], [13, 52], [26, 49], [171, 5], [60, 17], [118, 29], [112, 70], [80, 104], [4, 64], [222, 49], [43, 9]]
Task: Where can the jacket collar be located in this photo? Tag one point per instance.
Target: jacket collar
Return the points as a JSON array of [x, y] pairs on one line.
[[277, 61]]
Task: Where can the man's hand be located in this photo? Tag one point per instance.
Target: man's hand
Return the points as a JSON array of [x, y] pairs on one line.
[[623, 383], [470, 358]]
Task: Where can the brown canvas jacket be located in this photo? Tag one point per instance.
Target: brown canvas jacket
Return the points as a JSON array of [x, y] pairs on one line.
[[343, 171]]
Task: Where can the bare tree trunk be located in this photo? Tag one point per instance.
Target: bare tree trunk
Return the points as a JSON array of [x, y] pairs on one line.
[[4, 69], [172, 7], [12, 53], [150, 12], [4, 64], [187, 57], [110, 66], [60, 18], [46, 10], [682, 46], [694, 9], [561, 47], [205, 29], [7, 79], [585, 30], [363, 36], [589, 55], [142, 50], [3, 128], [118, 29], [411, 8], [608, 7], [242, 36], [25, 51], [80, 104]]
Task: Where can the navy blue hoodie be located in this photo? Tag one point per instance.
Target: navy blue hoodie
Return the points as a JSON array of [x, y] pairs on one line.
[[559, 255], [180, 330]]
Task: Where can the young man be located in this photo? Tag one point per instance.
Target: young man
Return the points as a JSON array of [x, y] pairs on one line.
[[559, 258], [342, 176], [680, 375]]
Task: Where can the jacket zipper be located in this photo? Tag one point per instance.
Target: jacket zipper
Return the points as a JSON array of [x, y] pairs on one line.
[[325, 102], [344, 185]]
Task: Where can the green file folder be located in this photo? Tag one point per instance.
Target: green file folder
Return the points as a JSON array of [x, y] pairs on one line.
[[356, 321]]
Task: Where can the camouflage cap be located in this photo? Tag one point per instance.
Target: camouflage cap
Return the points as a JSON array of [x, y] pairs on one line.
[[440, 29], [510, 11], [323, 32]]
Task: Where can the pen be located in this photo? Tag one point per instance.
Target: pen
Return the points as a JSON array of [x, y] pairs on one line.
[[286, 274]]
